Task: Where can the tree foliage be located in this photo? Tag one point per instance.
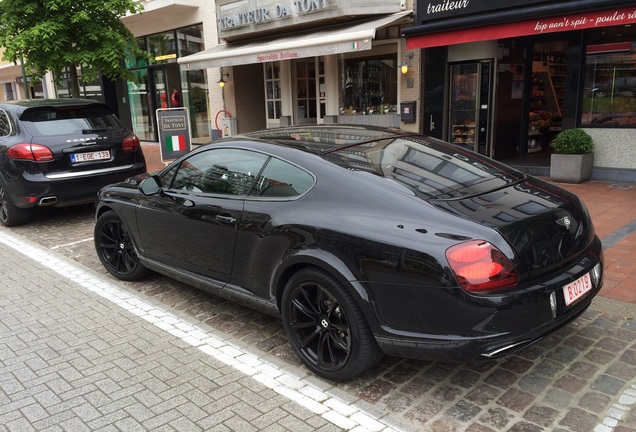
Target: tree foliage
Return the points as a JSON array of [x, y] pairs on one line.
[[51, 35]]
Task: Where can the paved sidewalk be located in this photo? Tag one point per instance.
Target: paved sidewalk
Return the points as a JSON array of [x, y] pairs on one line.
[[613, 210], [78, 352]]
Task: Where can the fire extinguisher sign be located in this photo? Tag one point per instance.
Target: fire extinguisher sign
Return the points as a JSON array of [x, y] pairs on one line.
[[174, 133]]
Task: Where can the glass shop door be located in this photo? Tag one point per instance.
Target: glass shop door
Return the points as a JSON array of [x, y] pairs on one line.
[[470, 105]]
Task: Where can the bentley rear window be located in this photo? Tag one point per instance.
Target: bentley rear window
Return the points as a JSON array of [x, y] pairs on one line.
[[428, 167]]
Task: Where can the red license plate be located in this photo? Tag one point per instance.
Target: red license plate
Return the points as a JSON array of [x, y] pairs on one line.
[[577, 289]]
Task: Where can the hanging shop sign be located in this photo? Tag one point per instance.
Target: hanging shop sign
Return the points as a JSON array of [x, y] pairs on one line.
[[174, 132], [580, 21]]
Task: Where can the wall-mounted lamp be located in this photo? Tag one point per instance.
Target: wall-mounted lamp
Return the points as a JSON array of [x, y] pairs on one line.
[[222, 81], [406, 63]]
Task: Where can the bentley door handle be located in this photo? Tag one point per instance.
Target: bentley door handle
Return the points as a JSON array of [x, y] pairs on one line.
[[226, 220]]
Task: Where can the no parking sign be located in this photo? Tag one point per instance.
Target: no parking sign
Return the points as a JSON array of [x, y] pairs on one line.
[[174, 132]]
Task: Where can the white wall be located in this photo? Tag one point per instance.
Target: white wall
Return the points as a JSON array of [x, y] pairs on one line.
[[614, 148]]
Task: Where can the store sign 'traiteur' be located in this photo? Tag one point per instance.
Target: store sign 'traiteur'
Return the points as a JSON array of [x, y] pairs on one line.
[[430, 10]]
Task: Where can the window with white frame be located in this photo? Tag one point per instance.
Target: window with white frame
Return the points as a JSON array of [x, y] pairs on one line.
[[273, 90]]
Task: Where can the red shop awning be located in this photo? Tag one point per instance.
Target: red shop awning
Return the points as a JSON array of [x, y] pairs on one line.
[[584, 20]]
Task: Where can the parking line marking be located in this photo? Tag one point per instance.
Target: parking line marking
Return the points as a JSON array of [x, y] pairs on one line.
[[294, 387], [72, 243]]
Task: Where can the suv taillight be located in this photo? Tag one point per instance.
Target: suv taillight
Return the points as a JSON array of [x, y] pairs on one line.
[[479, 266], [130, 143], [31, 152]]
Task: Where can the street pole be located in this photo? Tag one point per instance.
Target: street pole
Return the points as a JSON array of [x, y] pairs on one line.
[[24, 78]]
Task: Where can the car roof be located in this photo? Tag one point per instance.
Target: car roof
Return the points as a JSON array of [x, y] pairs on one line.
[[24, 104], [456, 171], [325, 139]]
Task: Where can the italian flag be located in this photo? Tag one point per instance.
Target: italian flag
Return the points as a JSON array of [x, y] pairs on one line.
[[175, 143]]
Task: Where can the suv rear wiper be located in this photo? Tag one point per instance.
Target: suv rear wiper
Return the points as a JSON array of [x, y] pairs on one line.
[[84, 131]]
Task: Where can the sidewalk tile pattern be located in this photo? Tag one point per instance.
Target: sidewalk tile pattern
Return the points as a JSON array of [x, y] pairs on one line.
[[71, 359]]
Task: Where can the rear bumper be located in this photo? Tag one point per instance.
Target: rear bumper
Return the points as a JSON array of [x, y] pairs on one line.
[[479, 328], [466, 350], [65, 189]]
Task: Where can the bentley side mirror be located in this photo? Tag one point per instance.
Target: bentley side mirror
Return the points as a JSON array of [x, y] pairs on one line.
[[150, 186]]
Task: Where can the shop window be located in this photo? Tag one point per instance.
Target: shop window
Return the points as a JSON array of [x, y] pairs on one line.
[[273, 97], [306, 89], [131, 61], [188, 88], [196, 98], [370, 86], [163, 47], [547, 95], [610, 79], [190, 40]]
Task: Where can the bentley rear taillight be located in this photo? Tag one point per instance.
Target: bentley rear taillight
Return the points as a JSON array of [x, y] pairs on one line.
[[131, 143], [31, 152], [479, 266]]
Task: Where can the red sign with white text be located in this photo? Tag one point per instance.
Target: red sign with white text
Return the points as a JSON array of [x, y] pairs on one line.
[[587, 20]]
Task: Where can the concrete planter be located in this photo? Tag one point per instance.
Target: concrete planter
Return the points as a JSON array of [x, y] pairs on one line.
[[570, 168]]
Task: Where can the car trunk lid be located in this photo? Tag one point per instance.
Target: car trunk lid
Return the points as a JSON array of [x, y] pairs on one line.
[[546, 226]]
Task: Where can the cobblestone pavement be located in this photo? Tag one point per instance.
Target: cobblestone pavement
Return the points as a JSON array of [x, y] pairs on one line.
[[580, 379]]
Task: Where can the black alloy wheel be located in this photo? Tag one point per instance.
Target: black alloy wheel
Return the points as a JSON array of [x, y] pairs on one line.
[[115, 248], [326, 328], [10, 215]]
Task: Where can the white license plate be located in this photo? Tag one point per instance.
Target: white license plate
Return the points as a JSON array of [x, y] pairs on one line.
[[91, 156], [577, 289]]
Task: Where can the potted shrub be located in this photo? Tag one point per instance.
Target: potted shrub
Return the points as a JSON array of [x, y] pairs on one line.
[[572, 159]]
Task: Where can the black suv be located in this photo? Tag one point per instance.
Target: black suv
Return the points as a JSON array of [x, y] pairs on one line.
[[60, 152]]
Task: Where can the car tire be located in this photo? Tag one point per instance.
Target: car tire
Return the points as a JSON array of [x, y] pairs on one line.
[[115, 248], [10, 214], [326, 328]]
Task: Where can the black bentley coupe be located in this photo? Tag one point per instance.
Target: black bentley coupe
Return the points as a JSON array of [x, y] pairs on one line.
[[365, 241]]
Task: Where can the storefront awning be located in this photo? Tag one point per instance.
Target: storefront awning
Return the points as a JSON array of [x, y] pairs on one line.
[[537, 26], [334, 40], [158, 10]]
